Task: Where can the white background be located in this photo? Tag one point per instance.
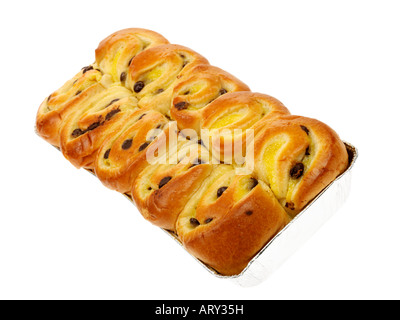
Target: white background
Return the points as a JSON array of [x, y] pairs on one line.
[[65, 236]]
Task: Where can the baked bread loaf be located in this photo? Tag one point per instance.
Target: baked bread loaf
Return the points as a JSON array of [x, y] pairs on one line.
[[202, 156]]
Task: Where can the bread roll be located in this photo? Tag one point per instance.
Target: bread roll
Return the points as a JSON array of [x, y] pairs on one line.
[[202, 156]]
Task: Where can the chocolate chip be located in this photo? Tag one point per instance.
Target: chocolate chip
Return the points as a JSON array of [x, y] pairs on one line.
[[211, 100], [196, 162], [86, 69], [122, 77], [297, 171], [127, 144], [111, 102], [254, 183], [78, 92], [222, 91], [112, 113], [305, 129], [144, 146], [289, 205], [249, 212], [129, 63], [221, 191], [107, 154], [308, 151], [194, 222], [163, 182], [161, 90], [93, 126], [208, 220], [77, 132], [186, 93], [182, 105], [185, 62], [138, 86]]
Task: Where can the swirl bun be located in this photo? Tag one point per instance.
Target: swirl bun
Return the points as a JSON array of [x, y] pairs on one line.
[[65, 100], [161, 191], [297, 157], [115, 53], [229, 219], [153, 74], [100, 116], [196, 90], [228, 118]]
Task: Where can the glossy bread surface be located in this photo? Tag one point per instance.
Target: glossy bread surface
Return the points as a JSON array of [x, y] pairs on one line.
[[201, 155]]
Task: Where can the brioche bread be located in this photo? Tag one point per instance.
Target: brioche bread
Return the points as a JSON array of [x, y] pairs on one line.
[[202, 156]]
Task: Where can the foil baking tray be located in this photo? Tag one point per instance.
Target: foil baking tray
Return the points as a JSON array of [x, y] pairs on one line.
[[294, 234]]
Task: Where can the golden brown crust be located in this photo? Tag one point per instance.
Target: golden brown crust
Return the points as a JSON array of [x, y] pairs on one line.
[[153, 73], [251, 106], [65, 100], [225, 231], [112, 58], [124, 155], [162, 190], [84, 131], [298, 157], [228, 118], [114, 53], [197, 89]]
